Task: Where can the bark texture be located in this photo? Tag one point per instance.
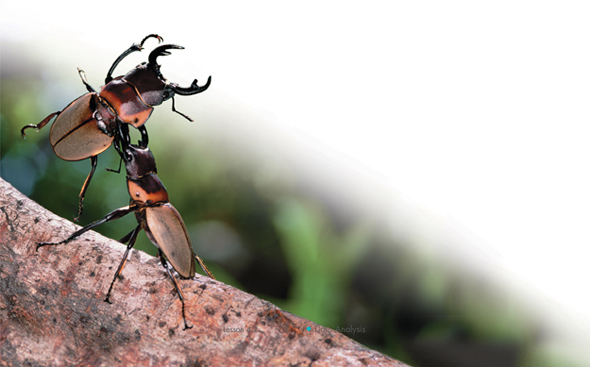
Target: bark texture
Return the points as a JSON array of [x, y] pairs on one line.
[[52, 311]]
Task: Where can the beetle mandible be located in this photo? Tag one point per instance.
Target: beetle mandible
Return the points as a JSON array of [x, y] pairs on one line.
[[89, 125]]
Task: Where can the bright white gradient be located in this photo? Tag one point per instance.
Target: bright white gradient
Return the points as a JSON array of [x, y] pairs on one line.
[[476, 112]]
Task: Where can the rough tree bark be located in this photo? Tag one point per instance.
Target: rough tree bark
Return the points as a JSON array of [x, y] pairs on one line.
[[52, 311]]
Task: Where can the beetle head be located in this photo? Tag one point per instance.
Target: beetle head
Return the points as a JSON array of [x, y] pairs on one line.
[[153, 87], [139, 161]]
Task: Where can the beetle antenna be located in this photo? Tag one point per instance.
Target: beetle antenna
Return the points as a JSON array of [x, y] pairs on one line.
[[180, 113], [118, 170]]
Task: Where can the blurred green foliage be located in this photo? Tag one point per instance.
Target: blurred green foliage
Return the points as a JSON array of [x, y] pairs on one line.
[[320, 260], [258, 229]]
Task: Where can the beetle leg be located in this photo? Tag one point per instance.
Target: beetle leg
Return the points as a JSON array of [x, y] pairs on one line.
[[131, 237], [203, 266], [93, 162], [85, 81], [121, 141], [124, 138], [115, 214], [153, 35], [134, 47], [39, 125], [101, 125], [180, 295], [119, 148], [180, 113]]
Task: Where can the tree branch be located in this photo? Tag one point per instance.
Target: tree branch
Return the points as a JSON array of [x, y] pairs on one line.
[[52, 310]]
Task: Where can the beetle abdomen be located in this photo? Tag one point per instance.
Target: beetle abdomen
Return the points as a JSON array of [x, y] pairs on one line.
[[123, 97], [75, 134], [167, 231]]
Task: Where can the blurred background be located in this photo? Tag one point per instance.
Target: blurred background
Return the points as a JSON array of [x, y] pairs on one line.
[[411, 174]]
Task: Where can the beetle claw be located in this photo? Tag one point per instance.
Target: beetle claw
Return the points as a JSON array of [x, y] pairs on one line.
[[30, 126], [41, 244], [153, 35], [139, 46]]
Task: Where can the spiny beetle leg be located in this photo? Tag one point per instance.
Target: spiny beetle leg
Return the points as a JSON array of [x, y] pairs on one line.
[[115, 214], [93, 163], [85, 81], [203, 266], [180, 295], [39, 125], [41, 244], [134, 47], [131, 237]]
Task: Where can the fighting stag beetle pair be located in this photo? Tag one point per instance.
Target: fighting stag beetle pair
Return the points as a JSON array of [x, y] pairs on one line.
[[97, 120], [90, 124]]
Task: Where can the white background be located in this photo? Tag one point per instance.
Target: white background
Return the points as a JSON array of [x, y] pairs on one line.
[[477, 111]]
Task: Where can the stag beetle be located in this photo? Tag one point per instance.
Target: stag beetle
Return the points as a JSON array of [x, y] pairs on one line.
[[88, 125], [154, 213]]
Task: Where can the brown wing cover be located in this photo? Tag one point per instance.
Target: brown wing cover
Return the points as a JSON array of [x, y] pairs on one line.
[[75, 135], [166, 228]]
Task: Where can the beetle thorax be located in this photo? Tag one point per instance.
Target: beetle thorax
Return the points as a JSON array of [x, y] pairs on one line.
[[147, 189]]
